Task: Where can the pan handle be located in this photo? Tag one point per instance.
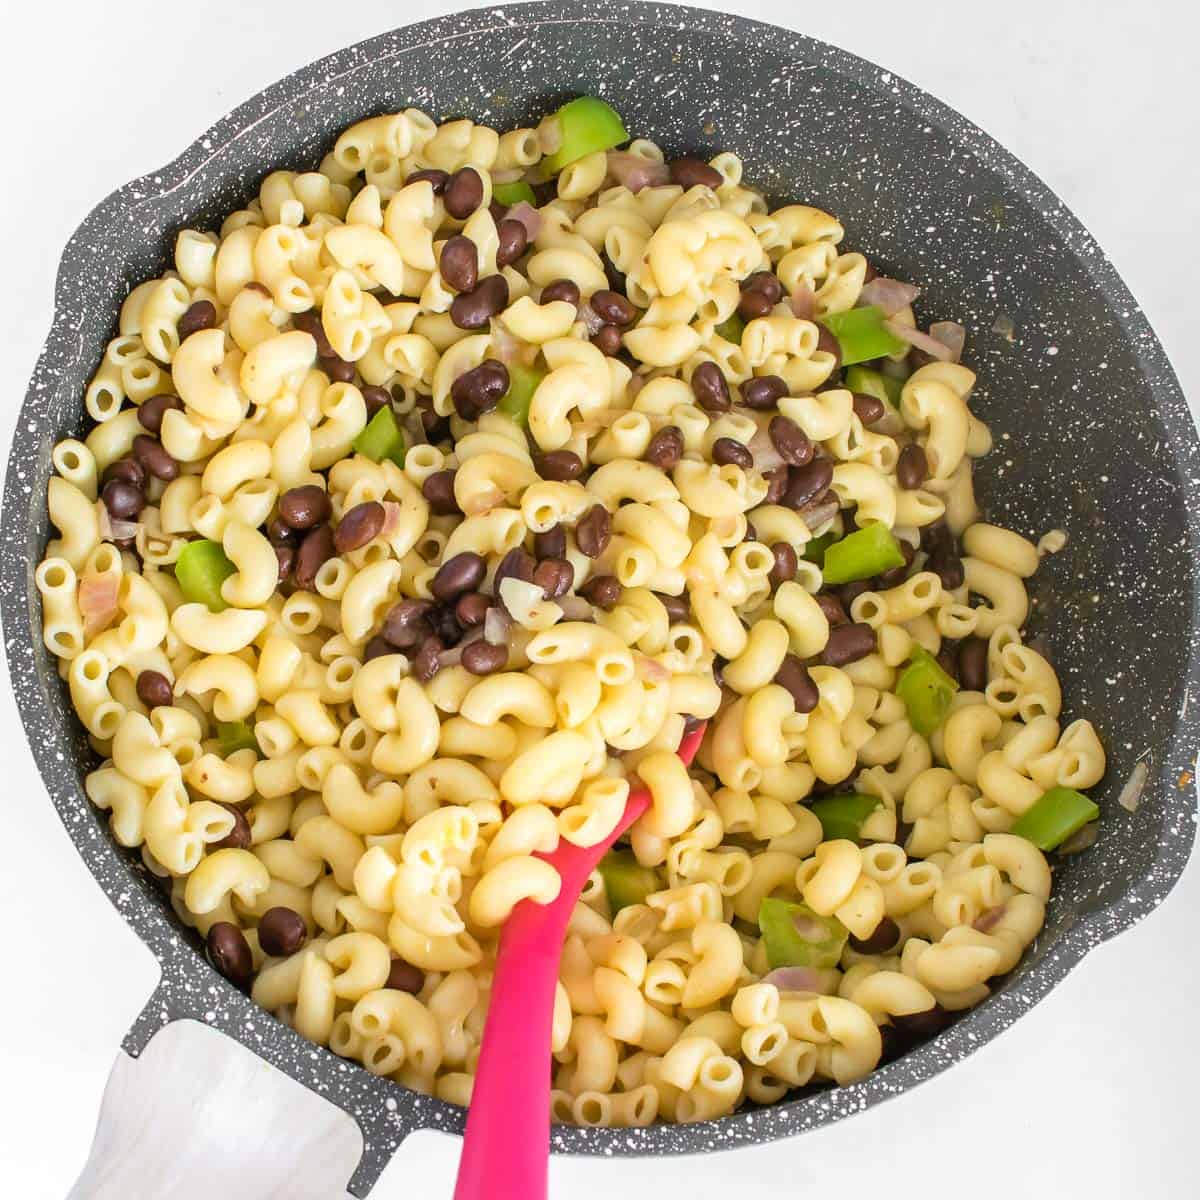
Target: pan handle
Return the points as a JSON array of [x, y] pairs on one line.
[[198, 1115]]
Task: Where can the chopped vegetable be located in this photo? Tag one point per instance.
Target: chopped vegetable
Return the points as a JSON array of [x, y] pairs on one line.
[[626, 881], [236, 735], [201, 569], [795, 936], [382, 438], [842, 816], [874, 383], [862, 334], [1059, 813], [509, 194], [867, 552], [814, 551], [522, 383], [926, 691], [731, 329], [585, 125]]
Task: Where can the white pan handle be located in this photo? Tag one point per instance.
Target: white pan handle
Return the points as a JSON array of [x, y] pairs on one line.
[[199, 1116]]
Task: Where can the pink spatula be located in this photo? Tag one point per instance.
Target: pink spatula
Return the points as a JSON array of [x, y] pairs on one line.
[[506, 1149]]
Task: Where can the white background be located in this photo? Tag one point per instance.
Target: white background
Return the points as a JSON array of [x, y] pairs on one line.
[[1091, 1095]]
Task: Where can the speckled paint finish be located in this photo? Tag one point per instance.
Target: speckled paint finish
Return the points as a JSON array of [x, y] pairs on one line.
[[1092, 434]]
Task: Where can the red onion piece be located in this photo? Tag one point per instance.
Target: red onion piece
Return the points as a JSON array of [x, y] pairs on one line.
[[989, 919], [766, 457], [575, 608], [497, 626], [819, 512], [920, 340], [798, 979], [511, 175], [505, 347], [1131, 793], [889, 295], [803, 302], [98, 602], [391, 518], [120, 530], [591, 319], [528, 216], [952, 335], [635, 172]]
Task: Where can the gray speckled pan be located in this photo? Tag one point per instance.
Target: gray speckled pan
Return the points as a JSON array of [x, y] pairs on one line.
[[1093, 435]]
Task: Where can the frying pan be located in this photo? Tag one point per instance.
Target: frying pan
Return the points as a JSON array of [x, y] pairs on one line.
[[1101, 444]]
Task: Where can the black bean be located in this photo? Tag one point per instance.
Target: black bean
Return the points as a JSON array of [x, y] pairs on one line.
[[912, 467], [471, 609], [285, 557], [427, 661], [375, 398], [280, 533], [358, 526], [973, 664], [947, 659], [462, 573], [459, 263], [229, 952], [550, 544], [315, 551], [561, 289], [239, 837], [306, 506], [938, 538], [765, 282], [484, 658], [512, 239], [793, 675], [948, 567], [777, 481], [830, 345], [897, 575], [559, 466], [377, 647], [785, 566], [727, 451], [665, 448], [154, 457], [338, 369], [474, 309], [689, 172], [848, 643], [310, 323], [868, 409], [678, 608], [849, 592], [601, 590], [281, 931], [807, 483], [594, 531], [438, 490], [754, 304], [404, 977], [431, 175], [710, 388], [831, 606], [463, 194], [516, 564], [613, 308], [407, 623], [479, 390], [883, 939], [554, 576], [150, 412], [200, 314], [792, 443], [154, 689], [607, 339], [123, 500], [445, 624], [763, 392], [924, 1024]]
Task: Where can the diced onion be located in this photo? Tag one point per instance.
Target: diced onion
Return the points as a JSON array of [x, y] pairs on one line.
[[890, 296], [497, 626], [1131, 793]]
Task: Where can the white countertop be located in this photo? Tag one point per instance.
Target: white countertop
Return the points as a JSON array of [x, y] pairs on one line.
[[1093, 1094]]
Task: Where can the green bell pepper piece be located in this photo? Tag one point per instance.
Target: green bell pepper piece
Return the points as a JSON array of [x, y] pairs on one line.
[[587, 125], [795, 936], [626, 881], [201, 569], [236, 735], [842, 816], [382, 438], [522, 383], [862, 335], [875, 383], [1059, 813], [867, 552], [814, 550], [731, 329], [509, 194], [926, 691]]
